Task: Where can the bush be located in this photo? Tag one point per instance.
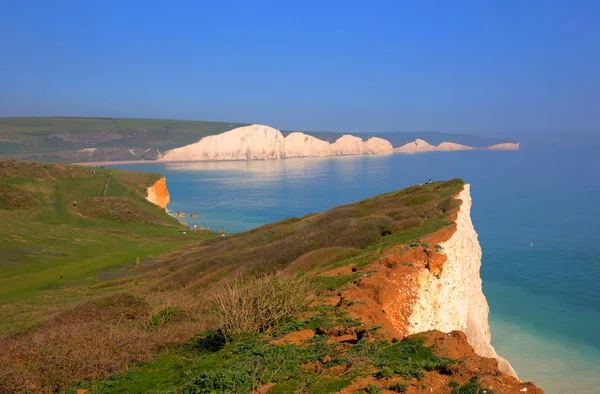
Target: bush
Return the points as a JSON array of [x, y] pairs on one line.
[[162, 318], [448, 204], [372, 389], [399, 387], [256, 305], [473, 387]]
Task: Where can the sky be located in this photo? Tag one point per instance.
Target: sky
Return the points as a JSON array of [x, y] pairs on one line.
[[348, 66]]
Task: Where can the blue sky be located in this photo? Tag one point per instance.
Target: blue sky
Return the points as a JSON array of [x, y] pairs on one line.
[[471, 66]]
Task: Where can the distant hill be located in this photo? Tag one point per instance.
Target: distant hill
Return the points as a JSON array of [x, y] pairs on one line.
[[71, 139], [66, 139]]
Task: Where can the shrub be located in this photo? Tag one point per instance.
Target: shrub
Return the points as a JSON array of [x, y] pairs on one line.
[[473, 387], [399, 387], [385, 372], [372, 389], [448, 204], [256, 305], [162, 318]]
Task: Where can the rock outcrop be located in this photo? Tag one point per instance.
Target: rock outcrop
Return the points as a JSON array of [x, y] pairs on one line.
[[158, 194], [259, 142], [420, 145], [453, 299], [505, 146]]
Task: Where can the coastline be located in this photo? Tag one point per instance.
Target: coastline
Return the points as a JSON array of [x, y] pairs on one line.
[[121, 162]]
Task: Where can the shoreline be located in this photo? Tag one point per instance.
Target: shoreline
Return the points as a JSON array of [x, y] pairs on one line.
[[109, 163]]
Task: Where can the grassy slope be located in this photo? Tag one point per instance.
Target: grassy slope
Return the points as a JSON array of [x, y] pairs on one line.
[[31, 137], [35, 138], [156, 316], [47, 249], [326, 362]]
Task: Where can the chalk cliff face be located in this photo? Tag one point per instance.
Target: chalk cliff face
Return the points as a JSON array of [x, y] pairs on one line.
[[301, 145], [259, 142], [505, 146], [420, 145], [158, 193], [453, 299], [244, 143]]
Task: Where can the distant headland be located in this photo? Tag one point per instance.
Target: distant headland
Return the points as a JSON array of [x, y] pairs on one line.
[[111, 140]]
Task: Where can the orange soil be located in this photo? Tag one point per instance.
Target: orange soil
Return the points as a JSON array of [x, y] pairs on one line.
[[158, 193]]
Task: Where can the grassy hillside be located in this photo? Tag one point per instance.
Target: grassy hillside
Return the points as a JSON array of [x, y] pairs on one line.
[[60, 139], [70, 139], [48, 245], [289, 307], [93, 326]]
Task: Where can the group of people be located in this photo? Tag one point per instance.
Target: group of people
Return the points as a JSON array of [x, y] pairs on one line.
[[421, 183]]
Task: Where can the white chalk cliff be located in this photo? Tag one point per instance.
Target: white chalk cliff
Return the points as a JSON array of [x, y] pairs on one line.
[[455, 300], [420, 145], [505, 146], [260, 142]]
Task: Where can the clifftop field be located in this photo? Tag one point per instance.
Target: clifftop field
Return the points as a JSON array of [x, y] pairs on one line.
[[293, 306], [48, 245], [111, 139]]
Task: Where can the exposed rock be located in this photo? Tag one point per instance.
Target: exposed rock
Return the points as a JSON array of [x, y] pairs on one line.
[[301, 145], [455, 300], [158, 193], [505, 146], [420, 145], [259, 142]]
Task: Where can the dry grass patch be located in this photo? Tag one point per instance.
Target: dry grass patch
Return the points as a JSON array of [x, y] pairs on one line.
[[256, 305], [95, 340]]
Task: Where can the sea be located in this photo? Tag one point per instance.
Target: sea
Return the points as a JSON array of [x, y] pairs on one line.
[[536, 211]]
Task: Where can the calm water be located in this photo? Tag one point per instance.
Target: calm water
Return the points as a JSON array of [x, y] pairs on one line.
[[544, 300]]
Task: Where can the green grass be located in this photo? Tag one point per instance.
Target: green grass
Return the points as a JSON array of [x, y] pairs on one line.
[[52, 245], [206, 366]]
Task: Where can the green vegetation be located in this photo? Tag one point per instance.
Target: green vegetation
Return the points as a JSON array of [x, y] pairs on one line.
[[61, 139], [472, 387], [50, 245], [98, 313], [206, 364], [399, 387]]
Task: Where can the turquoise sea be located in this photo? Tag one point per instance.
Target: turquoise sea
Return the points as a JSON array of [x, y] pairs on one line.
[[544, 299]]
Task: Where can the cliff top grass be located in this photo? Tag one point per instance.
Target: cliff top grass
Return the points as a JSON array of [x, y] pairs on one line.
[[48, 244], [349, 234]]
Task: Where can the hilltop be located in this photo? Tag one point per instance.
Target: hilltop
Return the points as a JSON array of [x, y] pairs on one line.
[[340, 301], [115, 139]]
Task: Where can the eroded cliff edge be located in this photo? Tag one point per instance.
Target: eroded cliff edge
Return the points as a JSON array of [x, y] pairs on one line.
[[434, 284], [158, 194], [453, 299]]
